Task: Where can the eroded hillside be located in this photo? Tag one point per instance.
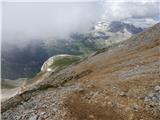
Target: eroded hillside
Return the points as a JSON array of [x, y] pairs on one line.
[[121, 82]]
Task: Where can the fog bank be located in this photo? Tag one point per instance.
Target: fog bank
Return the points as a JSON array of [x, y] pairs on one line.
[[28, 20]]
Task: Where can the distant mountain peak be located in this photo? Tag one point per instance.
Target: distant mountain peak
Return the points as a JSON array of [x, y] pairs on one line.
[[119, 26]]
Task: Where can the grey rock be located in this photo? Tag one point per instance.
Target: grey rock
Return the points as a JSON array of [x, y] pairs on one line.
[[157, 88], [136, 107], [151, 95], [35, 117], [123, 94], [146, 99], [152, 102]]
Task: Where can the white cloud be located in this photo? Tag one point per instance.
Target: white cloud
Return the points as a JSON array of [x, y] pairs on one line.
[[132, 1], [42, 20], [142, 13], [144, 23], [50, 0], [27, 21], [132, 9]]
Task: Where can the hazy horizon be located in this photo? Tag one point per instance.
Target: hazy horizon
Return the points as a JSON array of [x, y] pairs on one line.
[[27, 21]]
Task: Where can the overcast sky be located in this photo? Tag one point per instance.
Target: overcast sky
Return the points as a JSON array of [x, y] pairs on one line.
[[140, 1], [143, 13], [45, 19]]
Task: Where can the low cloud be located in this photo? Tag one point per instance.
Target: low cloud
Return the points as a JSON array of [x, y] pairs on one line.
[[142, 22], [28, 21], [124, 9]]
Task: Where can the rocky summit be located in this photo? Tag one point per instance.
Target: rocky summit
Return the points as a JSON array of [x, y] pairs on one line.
[[119, 82]]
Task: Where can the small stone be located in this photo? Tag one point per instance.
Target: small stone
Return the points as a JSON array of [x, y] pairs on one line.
[[45, 116], [34, 117], [91, 116], [137, 66], [49, 69], [64, 113], [114, 87], [104, 104], [109, 103], [42, 113], [123, 94], [146, 99], [54, 109], [89, 101], [141, 97], [39, 118], [154, 98], [157, 88], [107, 97], [81, 90], [136, 107], [151, 95], [95, 94]]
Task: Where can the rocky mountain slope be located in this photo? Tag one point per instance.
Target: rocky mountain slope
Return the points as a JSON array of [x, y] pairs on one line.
[[27, 61], [9, 88], [122, 78], [106, 33]]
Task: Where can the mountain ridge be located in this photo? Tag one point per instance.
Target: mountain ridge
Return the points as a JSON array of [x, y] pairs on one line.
[[116, 79]]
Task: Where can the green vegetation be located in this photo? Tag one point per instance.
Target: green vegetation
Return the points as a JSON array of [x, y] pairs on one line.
[[100, 44], [64, 61], [60, 62], [84, 50]]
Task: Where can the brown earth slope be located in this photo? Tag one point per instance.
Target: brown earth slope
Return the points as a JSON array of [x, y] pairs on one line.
[[121, 82]]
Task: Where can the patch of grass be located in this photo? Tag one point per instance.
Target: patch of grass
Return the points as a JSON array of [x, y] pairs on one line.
[[60, 62], [84, 50], [100, 44]]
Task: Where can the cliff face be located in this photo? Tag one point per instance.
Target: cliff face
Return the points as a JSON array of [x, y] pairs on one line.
[[122, 78]]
